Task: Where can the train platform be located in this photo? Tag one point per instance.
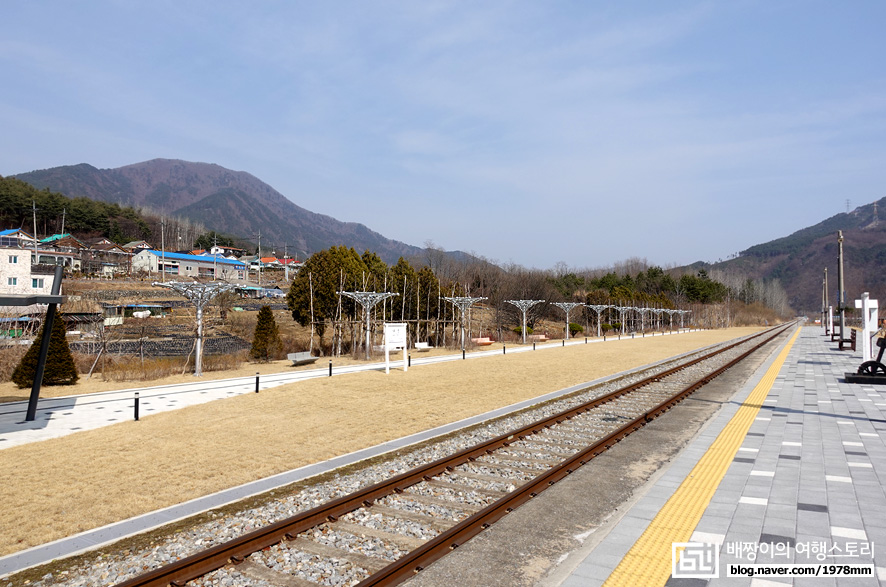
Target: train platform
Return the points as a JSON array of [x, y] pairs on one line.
[[788, 479], [61, 416]]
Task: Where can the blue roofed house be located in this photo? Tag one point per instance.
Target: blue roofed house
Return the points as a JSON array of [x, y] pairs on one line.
[[16, 237], [181, 264]]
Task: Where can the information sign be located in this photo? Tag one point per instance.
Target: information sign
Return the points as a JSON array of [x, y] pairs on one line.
[[395, 339]]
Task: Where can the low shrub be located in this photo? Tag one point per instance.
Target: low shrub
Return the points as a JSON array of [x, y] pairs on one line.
[[574, 328], [132, 368], [10, 356]]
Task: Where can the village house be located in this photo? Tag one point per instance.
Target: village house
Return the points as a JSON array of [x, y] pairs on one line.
[[136, 246], [105, 258], [16, 237], [228, 252], [18, 276], [179, 264]]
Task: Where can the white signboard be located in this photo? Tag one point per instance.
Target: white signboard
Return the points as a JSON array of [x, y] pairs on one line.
[[395, 339], [869, 313], [395, 335]]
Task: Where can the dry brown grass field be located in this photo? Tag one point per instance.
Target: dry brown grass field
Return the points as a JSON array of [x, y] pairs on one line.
[[123, 372], [59, 487]]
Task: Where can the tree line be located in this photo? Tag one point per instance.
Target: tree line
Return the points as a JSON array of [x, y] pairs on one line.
[[314, 297]]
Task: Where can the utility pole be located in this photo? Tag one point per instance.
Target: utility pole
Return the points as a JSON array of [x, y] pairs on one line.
[[842, 292], [215, 256], [285, 262], [162, 250], [259, 257], [64, 211], [34, 208]]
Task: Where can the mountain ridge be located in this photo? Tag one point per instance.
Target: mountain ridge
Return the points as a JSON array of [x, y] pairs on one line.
[[233, 202], [238, 203], [799, 259]]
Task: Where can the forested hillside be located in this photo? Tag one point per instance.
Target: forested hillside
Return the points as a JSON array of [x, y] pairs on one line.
[[798, 261], [231, 202], [83, 217]]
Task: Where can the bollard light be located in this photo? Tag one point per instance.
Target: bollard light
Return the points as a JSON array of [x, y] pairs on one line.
[[330, 367], [256, 382], [136, 406]]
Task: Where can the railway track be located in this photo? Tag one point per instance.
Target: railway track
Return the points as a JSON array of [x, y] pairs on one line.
[[385, 533]]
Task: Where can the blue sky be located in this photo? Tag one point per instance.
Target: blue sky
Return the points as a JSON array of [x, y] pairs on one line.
[[527, 132]]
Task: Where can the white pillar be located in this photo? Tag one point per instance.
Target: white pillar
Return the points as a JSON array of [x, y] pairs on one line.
[[869, 313], [198, 360]]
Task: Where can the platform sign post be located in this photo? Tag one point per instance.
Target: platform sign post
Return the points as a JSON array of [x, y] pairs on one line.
[[395, 338], [870, 311]]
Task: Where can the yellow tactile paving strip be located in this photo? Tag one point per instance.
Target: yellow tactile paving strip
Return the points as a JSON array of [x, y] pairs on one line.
[[648, 562]]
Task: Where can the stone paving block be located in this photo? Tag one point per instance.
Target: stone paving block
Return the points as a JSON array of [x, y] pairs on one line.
[[780, 511], [714, 524], [777, 527], [813, 524], [815, 489]]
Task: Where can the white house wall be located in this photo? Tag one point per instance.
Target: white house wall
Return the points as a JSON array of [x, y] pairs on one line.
[[16, 279]]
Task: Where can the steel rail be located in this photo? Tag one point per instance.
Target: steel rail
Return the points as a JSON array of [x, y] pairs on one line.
[[236, 550], [414, 562]]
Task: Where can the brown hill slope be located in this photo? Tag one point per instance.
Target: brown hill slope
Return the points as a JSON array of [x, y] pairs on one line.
[[231, 202], [799, 260]]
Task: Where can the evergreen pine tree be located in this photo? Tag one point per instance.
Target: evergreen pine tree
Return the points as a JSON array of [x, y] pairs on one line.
[[266, 340], [60, 368]]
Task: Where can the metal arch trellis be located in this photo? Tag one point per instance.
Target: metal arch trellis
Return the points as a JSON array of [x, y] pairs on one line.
[[682, 314], [658, 312], [567, 307], [524, 306], [622, 316], [199, 294], [368, 299], [463, 303], [670, 313], [642, 311], [599, 308]]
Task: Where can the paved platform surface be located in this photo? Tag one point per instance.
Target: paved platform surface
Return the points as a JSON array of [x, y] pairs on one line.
[[791, 472]]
